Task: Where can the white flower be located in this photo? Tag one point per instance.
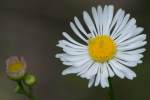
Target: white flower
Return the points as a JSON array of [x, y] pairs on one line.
[[112, 45], [16, 67]]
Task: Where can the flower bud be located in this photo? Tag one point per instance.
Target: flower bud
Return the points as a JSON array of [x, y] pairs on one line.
[[29, 79]]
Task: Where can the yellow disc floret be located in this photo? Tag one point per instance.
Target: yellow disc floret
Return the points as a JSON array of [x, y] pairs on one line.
[[101, 48], [15, 67]]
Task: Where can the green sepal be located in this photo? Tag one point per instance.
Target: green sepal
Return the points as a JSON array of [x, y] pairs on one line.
[[16, 79], [18, 89]]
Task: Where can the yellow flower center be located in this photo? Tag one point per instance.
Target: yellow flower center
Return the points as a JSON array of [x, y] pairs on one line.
[[16, 67], [101, 48]]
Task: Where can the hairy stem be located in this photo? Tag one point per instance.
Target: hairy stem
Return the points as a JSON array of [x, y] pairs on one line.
[[23, 91], [110, 90]]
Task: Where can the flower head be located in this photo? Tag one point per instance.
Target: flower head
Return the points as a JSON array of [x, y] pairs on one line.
[[16, 67], [112, 45]]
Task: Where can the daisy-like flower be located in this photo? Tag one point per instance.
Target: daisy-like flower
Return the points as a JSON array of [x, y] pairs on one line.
[[112, 45], [16, 67]]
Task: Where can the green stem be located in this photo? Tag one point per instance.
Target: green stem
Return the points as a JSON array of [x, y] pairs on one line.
[[23, 91], [110, 91], [31, 93]]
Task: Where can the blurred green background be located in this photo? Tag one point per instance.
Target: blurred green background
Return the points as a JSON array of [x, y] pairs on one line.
[[31, 28]]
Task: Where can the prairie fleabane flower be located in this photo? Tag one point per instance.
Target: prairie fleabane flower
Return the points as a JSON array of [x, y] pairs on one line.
[[111, 46], [16, 67]]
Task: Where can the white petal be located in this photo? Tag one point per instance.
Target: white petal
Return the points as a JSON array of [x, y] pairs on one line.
[[104, 71], [81, 62], [116, 70], [104, 77], [104, 82], [79, 25], [97, 80], [92, 71], [127, 63], [127, 57], [76, 58], [132, 46], [75, 30], [127, 72], [137, 51], [68, 48], [100, 16], [89, 23], [133, 40], [66, 62], [110, 17], [91, 81], [63, 43], [124, 22], [140, 62], [71, 39], [138, 31], [70, 70], [73, 60], [75, 49], [127, 30], [59, 55], [105, 18], [75, 63], [115, 18], [133, 32], [73, 69], [119, 22], [89, 64], [110, 72], [73, 52], [95, 17], [62, 58]]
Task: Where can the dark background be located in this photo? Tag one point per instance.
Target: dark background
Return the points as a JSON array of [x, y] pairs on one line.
[[31, 28]]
